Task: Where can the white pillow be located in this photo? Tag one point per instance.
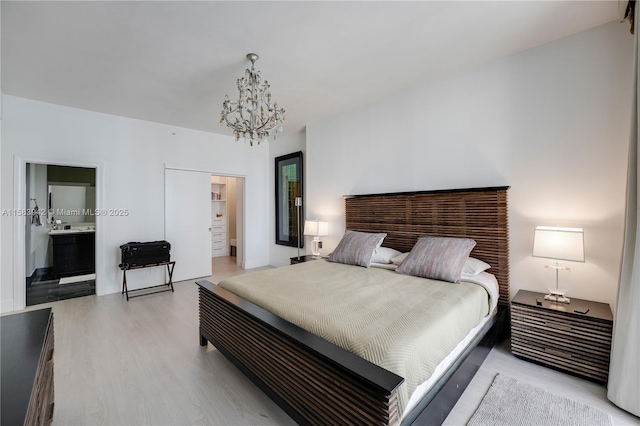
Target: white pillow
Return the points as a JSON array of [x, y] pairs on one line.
[[384, 255], [389, 266], [398, 259], [474, 266]]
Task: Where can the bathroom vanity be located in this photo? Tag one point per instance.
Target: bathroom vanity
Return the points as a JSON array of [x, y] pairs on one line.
[[74, 252]]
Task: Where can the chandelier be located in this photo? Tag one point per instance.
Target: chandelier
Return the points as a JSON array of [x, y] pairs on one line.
[[254, 116]]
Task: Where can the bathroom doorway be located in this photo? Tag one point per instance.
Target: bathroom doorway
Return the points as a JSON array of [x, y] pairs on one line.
[[60, 228]]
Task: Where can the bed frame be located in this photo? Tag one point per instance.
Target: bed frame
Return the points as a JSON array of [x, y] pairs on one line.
[[317, 382]]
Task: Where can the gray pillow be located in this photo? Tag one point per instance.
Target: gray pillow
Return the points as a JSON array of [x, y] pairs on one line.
[[437, 258], [356, 248]]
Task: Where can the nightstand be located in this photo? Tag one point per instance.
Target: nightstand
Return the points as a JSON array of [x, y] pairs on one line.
[[555, 335], [305, 258]]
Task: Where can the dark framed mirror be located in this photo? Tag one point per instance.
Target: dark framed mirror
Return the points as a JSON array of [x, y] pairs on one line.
[[289, 212]]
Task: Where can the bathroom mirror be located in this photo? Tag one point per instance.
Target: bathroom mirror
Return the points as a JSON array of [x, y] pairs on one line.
[[289, 214], [71, 204]]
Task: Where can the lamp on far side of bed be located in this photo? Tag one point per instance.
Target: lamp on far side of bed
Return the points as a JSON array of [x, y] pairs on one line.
[[298, 203], [317, 229], [558, 244]]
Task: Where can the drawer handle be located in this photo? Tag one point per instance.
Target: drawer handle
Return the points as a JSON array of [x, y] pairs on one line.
[[557, 353], [557, 326], [217, 249]]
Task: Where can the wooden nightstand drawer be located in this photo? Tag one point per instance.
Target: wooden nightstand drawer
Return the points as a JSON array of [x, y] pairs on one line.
[[555, 335], [547, 325]]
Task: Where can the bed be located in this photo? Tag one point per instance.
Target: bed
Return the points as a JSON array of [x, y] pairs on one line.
[[319, 382]]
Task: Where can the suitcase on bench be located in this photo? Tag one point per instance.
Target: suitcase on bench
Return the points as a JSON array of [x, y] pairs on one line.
[[136, 254]]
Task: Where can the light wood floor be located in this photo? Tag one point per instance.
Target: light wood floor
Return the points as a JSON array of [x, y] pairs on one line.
[[139, 362]]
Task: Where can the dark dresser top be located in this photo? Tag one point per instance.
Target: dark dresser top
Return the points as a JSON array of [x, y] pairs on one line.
[[597, 311], [21, 342]]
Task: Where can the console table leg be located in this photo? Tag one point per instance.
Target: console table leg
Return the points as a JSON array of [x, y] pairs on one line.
[[203, 341]]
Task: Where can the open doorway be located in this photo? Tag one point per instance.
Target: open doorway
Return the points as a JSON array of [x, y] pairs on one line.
[[59, 232], [198, 222], [227, 220]]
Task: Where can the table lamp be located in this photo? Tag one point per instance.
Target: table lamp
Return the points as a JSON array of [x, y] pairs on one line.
[[298, 203], [317, 229], [558, 244]]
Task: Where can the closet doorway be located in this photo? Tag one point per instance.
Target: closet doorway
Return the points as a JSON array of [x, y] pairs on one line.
[[204, 215], [227, 194]]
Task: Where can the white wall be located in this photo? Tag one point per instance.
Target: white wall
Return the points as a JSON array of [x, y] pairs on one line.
[[231, 206], [38, 235], [286, 144], [131, 156], [551, 122]]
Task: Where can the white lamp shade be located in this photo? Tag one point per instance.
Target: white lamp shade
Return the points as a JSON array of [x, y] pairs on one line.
[[559, 243], [317, 228]]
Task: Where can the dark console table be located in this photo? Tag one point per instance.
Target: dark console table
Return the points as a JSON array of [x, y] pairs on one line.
[[26, 370]]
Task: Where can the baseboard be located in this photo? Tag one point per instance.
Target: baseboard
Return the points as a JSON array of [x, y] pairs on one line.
[[6, 306]]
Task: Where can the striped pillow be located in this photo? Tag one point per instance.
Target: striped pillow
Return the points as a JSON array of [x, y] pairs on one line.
[[437, 258], [356, 248]]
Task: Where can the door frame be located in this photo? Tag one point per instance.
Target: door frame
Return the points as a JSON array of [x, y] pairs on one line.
[[19, 222], [216, 173]]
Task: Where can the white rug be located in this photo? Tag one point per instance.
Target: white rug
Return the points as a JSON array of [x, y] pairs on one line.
[[77, 279], [512, 403]]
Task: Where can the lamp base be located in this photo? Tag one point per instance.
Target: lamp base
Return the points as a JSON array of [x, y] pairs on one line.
[[559, 298], [316, 247]]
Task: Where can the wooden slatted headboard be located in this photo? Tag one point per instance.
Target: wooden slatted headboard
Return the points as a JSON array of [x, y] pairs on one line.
[[477, 213]]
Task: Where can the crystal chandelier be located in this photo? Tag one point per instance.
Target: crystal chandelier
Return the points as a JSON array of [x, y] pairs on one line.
[[254, 116]]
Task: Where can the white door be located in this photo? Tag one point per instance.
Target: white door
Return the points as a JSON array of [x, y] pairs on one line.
[[187, 205]]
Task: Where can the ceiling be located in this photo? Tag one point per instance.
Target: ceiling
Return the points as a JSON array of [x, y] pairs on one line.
[[173, 62]]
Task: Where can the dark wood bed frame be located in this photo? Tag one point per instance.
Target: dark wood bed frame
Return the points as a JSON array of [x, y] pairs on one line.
[[317, 382]]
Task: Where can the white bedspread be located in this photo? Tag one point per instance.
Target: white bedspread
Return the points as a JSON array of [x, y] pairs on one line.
[[404, 324]]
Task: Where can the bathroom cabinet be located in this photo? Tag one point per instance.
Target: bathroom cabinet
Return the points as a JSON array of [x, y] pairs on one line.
[[73, 253]]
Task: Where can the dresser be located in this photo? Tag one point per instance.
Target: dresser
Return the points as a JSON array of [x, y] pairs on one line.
[[26, 371], [219, 225], [219, 244], [574, 337]]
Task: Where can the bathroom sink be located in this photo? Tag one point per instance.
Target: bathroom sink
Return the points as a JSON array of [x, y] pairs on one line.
[[71, 231]]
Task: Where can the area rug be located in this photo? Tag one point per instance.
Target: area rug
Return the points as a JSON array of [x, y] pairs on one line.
[[510, 402]]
